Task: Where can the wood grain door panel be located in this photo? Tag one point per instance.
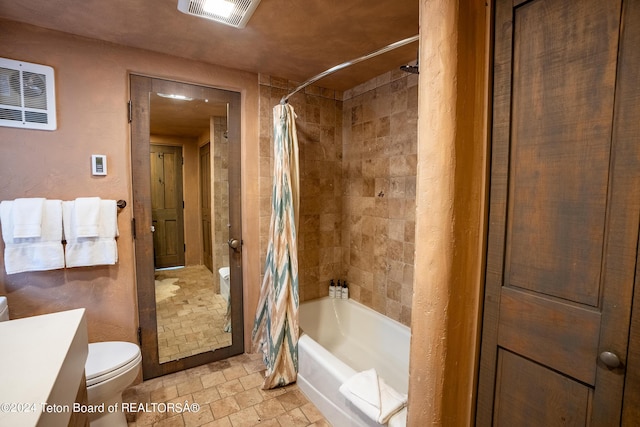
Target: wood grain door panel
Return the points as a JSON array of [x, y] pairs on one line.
[[552, 399], [564, 212], [562, 336], [627, 131], [167, 205], [563, 90]]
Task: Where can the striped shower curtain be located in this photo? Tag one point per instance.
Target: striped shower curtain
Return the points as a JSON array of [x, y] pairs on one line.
[[275, 329]]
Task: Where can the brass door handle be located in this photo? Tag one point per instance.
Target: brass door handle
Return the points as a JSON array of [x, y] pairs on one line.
[[234, 244], [610, 359]]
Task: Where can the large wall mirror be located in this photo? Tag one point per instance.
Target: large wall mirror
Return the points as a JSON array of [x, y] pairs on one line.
[[186, 181]]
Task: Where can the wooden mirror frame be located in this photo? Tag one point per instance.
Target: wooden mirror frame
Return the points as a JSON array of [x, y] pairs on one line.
[[141, 87]]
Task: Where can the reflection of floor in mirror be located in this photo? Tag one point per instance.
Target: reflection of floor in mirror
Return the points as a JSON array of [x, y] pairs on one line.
[[190, 314]]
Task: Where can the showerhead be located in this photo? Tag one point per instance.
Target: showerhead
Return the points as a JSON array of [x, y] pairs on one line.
[[413, 69]]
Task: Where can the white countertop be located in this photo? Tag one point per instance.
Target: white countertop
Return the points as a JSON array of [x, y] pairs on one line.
[[42, 361]]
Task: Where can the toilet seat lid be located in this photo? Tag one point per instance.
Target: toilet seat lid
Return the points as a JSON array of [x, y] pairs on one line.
[[105, 357]]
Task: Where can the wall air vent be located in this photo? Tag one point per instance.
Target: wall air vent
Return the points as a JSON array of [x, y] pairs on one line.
[[27, 95], [235, 13]]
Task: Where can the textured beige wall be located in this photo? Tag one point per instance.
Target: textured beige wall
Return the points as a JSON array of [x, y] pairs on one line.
[[92, 91], [450, 216]]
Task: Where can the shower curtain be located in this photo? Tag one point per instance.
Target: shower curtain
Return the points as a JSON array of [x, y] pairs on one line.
[[275, 329]]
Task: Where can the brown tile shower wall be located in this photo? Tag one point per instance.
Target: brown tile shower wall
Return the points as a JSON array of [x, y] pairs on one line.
[[319, 125], [379, 170], [358, 153]]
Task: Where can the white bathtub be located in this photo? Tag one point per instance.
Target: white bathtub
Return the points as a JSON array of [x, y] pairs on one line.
[[339, 339]]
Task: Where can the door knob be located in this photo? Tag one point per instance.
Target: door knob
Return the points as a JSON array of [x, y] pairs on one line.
[[610, 359], [234, 244]]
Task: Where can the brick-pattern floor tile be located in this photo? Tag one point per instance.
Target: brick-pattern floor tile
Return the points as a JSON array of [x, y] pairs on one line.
[[190, 314], [228, 393]]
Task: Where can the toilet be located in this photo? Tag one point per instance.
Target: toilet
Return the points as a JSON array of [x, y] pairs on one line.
[[4, 309], [111, 367], [224, 282]]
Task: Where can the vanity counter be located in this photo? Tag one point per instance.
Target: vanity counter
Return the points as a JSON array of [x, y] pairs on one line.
[[42, 362]]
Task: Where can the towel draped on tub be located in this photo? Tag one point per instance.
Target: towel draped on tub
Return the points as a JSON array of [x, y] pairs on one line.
[[377, 400]]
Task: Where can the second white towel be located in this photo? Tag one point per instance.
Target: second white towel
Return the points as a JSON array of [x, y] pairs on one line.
[[373, 396], [86, 216], [87, 251]]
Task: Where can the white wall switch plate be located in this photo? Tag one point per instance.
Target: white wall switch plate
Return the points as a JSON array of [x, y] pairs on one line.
[[99, 164]]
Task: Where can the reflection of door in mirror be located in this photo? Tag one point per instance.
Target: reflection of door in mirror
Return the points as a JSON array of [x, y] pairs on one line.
[[166, 205], [190, 300]]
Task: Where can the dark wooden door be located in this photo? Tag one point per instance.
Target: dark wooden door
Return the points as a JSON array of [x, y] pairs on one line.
[[205, 205], [167, 205], [564, 210]]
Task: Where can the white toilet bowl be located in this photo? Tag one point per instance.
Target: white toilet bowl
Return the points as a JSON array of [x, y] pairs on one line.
[[224, 282], [111, 367]]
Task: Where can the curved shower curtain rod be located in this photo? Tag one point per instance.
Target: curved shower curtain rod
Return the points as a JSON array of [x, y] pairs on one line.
[[348, 63]]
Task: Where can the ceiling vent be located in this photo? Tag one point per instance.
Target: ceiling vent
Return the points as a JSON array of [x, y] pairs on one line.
[[235, 13], [27, 96]]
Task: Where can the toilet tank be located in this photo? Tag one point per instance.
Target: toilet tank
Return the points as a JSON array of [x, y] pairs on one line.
[[4, 309], [224, 282]]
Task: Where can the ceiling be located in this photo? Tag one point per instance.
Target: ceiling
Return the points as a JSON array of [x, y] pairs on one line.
[[185, 118], [292, 39]]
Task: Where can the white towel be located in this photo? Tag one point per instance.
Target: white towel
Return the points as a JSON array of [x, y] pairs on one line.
[[34, 253], [87, 216], [27, 217], [88, 251], [373, 396], [399, 419]]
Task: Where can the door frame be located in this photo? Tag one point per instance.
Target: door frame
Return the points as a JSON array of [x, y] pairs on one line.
[[140, 87]]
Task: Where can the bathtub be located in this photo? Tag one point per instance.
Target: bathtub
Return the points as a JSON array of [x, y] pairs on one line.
[[340, 338]]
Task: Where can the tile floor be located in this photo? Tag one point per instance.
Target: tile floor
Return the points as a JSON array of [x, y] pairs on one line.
[[228, 393], [190, 314]]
